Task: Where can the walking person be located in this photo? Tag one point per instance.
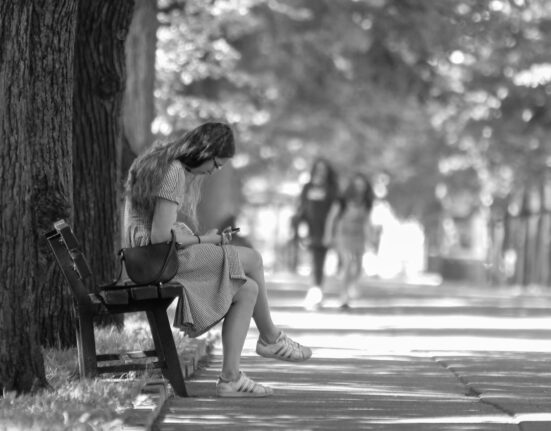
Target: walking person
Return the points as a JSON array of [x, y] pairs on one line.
[[348, 229], [316, 199], [219, 281]]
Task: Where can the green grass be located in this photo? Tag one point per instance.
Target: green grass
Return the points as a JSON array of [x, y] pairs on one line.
[[87, 404]]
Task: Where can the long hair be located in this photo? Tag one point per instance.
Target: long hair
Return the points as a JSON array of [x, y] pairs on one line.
[[331, 181], [351, 193], [192, 149]]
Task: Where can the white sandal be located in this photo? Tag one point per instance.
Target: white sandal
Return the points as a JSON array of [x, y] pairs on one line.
[[243, 387], [283, 349]]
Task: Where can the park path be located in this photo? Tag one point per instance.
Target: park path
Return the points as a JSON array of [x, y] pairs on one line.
[[406, 357]]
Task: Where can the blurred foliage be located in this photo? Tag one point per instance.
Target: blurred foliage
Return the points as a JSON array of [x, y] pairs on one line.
[[447, 101]]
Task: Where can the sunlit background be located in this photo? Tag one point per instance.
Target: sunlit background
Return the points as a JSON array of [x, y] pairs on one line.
[[444, 105]]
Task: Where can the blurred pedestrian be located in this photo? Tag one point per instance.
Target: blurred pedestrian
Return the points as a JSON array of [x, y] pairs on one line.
[[348, 229], [316, 199]]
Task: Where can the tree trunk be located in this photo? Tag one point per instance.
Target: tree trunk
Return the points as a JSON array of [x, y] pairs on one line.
[[138, 103], [139, 106], [495, 250], [36, 40], [531, 212], [546, 211], [99, 88], [541, 240]]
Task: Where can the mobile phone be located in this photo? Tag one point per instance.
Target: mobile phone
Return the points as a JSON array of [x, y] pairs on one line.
[[230, 229]]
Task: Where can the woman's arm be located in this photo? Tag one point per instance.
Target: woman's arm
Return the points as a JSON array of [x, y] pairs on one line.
[[164, 218], [329, 231], [371, 232]]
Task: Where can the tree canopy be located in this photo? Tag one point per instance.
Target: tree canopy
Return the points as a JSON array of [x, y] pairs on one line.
[[440, 99]]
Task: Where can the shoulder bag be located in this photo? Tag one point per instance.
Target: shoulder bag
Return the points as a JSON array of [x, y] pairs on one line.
[[150, 264]]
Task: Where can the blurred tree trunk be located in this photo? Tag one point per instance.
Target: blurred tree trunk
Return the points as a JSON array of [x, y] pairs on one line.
[[99, 88], [497, 228], [531, 212], [139, 106], [221, 199], [138, 102], [541, 239], [36, 46], [546, 212], [517, 235]]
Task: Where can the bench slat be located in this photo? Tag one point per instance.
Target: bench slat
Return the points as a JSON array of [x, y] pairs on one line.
[[115, 297], [125, 294], [139, 354], [144, 292], [170, 290]]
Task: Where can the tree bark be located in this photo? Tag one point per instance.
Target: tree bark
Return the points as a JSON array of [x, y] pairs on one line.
[[36, 55], [99, 88], [541, 240], [139, 106], [532, 215], [138, 103]]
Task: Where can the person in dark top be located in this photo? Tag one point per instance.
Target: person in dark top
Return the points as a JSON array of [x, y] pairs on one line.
[[316, 199]]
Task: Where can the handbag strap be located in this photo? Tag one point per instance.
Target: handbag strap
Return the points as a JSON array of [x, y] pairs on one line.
[[165, 263]]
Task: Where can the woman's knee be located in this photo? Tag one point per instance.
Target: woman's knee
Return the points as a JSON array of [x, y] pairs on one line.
[[248, 291], [250, 259]]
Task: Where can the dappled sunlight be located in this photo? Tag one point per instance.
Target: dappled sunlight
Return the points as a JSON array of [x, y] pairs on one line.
[[476, 419], [358, 320], [404, 358], [388, 392], [334, 335]]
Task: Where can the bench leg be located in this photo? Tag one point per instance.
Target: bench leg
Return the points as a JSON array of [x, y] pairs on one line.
[[86, 345], [166, 349]]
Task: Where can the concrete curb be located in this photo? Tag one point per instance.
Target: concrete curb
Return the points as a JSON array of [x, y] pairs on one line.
[[149, 404]]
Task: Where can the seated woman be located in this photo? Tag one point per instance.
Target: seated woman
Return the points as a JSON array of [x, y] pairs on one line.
[[220, 281]]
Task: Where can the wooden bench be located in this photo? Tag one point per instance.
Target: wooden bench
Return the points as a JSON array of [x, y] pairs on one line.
[[126, 298]]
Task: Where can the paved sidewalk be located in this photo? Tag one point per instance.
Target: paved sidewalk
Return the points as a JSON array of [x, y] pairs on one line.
[[151, 399], [406, 357]]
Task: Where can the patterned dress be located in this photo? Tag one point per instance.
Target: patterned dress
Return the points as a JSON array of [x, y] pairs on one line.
[[210, 274], [351, 232]]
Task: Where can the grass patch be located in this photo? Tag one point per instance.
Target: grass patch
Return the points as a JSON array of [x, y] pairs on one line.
[[87, 404]]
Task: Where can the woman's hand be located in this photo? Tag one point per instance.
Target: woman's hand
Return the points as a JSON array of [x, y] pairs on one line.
[[215, 237], [219, 238], [227, 235], [212, 237]]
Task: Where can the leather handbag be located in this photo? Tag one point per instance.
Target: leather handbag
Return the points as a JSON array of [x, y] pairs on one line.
[[151, 264]]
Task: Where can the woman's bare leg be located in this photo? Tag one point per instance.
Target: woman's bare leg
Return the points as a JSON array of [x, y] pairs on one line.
[[235, 327], [348, 276], [345, 280], [352, 272], [254, 268]]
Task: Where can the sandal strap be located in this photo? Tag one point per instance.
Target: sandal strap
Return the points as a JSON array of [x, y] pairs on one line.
[[245, 384], [289, 347]]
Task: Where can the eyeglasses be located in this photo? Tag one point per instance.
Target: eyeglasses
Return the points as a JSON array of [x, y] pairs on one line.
[[215, 166]]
